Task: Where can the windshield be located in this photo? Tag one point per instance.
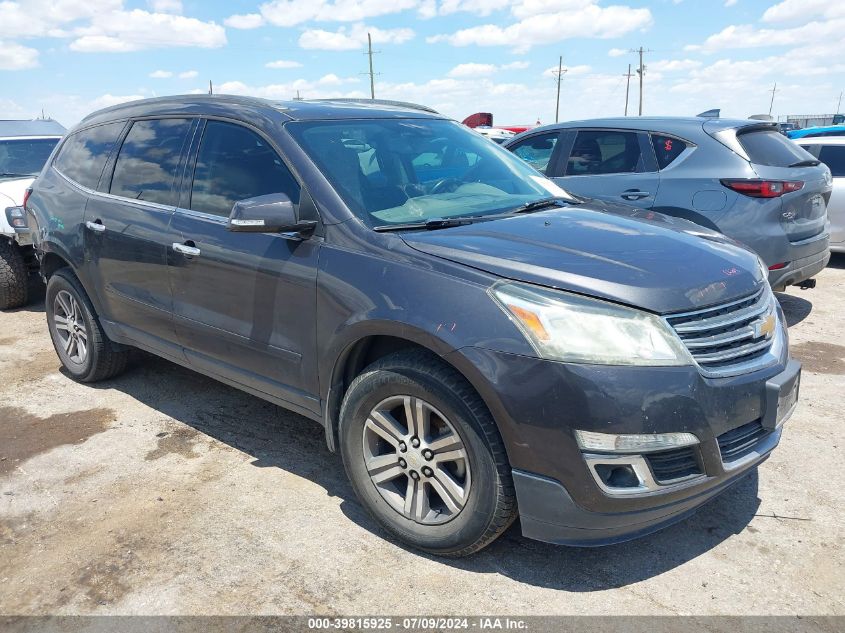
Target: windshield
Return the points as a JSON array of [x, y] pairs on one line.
[[25, 156], [412, 170]]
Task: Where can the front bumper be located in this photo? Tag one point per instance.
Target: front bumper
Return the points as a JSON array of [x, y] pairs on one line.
[[538, 404]]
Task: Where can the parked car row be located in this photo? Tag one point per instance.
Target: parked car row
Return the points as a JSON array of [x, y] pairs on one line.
[[477, 342]]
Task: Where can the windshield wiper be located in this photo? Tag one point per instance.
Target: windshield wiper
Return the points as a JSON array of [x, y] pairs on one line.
[[806, 163], [555, 201], [7, 174], [429, 225]]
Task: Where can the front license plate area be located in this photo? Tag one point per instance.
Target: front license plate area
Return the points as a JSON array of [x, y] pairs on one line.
[[782, 396]]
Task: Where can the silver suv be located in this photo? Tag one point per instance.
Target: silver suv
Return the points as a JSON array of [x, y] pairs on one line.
[[742, 178]]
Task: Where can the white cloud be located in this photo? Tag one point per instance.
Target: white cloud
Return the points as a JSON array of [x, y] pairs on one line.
[[161, 74], [730, 3], [476, 7], [108, 100], [188, 74], [673, 65], [517, 65], [803, 10], [283, 63], [351, 38], [749, 36], [582, 69], [245, 21], [38, 18], [165, 6], [293, 12], [14, 56], [618, 52], [584, 19], [472, 70], [121, 31]]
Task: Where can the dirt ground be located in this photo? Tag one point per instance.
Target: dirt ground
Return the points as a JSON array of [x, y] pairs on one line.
[[164, 492]]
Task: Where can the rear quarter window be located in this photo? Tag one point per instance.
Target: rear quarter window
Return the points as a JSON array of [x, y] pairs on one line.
[[667, 149], [834, 157], [83, 155], [771, 148]]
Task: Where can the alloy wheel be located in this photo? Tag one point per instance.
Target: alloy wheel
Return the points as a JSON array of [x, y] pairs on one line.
[[70, 327], [416, 460]]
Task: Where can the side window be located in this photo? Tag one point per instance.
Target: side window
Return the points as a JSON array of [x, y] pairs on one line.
[[834, 157], [604, 152], [84, 154], [233, 164], [666, 149], [537, 150], [148, 159]]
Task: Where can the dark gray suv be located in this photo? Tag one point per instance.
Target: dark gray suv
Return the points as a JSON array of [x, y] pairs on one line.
[[742, 178], [476, 343]]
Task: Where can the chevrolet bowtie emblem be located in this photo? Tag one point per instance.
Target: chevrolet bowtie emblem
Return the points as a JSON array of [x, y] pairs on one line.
[[765, 327]]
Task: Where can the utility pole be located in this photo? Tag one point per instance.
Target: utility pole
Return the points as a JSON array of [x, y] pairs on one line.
[[371, 74], [772, 102], [210, 88], [629, 74], [561, 71], [641, 72], [839, 105]]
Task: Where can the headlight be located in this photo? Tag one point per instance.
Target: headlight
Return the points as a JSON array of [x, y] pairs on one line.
[[633, 443], [567, 327]]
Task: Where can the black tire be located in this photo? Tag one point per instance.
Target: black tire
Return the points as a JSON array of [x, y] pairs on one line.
[[14, 276], [490, 505], [103, 359]]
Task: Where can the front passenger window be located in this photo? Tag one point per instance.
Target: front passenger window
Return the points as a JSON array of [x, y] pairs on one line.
[[537, 150], [233, 164]]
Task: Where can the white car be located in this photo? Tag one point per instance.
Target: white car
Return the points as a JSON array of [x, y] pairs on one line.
[[495, 134], [831, 151], [24, 148]]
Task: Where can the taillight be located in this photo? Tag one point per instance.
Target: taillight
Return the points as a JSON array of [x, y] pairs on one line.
[[26, 195], [763, 188], [777, 266]]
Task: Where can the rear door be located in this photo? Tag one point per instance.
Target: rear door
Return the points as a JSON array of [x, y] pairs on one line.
[[244, 303], [834, 157], [540, 151], [613, 165], [126, 230], [803, 213]]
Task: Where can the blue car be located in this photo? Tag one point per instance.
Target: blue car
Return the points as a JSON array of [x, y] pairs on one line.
[[820, 130]]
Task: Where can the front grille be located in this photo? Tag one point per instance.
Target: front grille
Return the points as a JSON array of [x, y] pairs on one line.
[[727, 339], [741, 441], [668, 466]]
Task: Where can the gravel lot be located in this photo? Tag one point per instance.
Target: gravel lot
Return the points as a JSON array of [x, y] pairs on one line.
[[165, 492]]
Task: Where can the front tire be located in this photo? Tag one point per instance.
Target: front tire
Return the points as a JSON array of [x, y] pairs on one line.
[[14, 276], [424, 455], [80, 341]]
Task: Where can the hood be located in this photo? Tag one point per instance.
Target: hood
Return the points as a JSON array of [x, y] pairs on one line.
[[655, 264], [12, 190]]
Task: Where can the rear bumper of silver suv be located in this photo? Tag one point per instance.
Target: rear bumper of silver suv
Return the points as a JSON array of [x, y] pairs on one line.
[[809, 258]]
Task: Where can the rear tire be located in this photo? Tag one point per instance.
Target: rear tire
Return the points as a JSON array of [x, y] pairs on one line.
[[425, 456], [80, 341], [14, 276]]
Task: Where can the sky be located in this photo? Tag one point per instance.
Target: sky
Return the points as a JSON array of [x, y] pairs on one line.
[[71, 57]]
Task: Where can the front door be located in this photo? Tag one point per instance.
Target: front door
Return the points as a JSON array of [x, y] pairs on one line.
[[126, 227], [613, 165], [244, 303]]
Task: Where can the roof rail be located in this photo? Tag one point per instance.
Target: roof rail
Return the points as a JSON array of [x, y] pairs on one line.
[[388, 102]]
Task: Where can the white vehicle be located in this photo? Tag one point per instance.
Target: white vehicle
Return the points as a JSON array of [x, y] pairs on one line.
[[24, 148], [831, 151], [495, 134]]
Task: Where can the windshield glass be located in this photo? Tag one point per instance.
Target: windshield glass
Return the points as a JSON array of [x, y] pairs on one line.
[[25, 156], [412, 170]]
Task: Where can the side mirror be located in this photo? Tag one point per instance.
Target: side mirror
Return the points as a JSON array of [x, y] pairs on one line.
[[272, 213]]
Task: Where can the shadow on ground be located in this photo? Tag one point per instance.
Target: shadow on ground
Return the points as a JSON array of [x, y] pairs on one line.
[[795, 308], [276, 438]]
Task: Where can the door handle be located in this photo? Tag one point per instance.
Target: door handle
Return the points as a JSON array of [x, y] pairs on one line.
[[186, 249], [96, 226], [635, 194]]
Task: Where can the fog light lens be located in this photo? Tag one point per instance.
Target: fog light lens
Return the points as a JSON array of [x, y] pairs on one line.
[[618, 476], [632, 443]]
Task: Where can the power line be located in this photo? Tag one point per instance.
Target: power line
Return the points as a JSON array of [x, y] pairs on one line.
[[561, 71], [629, 74], [839, 104]]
